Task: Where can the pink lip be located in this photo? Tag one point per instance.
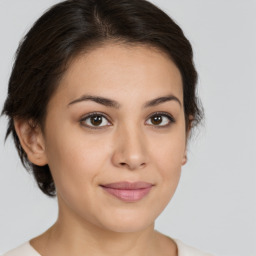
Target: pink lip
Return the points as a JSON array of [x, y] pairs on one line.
[[127, 191]]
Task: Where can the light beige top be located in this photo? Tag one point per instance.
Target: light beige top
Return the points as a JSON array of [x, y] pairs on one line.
[[27, 250]]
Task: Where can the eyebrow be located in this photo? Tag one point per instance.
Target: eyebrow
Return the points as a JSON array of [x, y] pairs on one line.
[[114, 104]]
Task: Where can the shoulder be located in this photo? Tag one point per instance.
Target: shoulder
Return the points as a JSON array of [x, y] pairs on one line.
[[187, 250], [23, 250]]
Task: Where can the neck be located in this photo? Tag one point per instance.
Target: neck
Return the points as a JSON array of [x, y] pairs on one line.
[[72, 235], [87, 239]]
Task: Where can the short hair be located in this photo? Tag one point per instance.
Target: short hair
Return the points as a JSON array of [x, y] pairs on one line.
[[71, 27]]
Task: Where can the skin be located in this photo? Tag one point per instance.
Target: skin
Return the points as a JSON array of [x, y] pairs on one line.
[[127, 146]]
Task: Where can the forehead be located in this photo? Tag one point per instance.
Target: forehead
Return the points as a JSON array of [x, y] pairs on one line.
[[113, 69]]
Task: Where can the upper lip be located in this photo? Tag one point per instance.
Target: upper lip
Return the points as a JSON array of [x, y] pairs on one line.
[[128, 185]]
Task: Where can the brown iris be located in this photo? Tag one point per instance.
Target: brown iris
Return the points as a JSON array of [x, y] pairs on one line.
[[156, 120], [96, 120]]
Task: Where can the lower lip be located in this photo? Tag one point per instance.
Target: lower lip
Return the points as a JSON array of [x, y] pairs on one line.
[[131, 195]]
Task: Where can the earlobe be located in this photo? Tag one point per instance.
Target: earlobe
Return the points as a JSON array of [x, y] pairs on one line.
[[32, 141], [184, 160]]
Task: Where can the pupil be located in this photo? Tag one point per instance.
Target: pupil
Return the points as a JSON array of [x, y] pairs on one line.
[[96, 120], [156, 120]]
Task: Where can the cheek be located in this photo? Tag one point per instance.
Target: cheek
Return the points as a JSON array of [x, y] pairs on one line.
[[75, 164], [169, 167], [167, 155], [168, 152], [74, 160]]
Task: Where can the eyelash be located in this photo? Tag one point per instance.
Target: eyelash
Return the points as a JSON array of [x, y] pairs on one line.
[[170, 118]]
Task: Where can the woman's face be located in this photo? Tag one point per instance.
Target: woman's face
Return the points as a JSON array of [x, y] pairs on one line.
[[117, 116]]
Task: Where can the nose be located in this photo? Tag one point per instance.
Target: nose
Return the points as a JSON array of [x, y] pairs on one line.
[[130, 150]]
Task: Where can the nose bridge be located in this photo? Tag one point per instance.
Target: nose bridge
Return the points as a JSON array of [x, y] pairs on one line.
[[131, 148]]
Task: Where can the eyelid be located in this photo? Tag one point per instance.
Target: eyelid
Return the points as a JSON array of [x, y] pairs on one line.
[[95, 114], [165, 114]]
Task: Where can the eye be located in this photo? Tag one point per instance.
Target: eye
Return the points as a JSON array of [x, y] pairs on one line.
[[160, 119], [95, 120]]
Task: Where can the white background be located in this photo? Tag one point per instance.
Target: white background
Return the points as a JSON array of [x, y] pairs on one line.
[[214, 207]]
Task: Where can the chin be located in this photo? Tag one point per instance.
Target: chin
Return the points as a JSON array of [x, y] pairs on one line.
[[127, 222]]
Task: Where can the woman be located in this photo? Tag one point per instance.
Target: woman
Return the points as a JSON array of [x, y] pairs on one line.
[[101, 103]]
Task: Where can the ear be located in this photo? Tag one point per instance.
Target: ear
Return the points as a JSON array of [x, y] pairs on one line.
[[31, 140], [189, 126], [184, 159], [188, 130]]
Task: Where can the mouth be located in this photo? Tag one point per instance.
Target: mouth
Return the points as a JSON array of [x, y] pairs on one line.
[[128, 191]]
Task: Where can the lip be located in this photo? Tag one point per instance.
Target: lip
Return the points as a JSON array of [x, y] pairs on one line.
[[128, 191]]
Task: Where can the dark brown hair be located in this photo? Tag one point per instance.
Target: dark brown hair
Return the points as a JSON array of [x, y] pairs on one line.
[[71, 27]]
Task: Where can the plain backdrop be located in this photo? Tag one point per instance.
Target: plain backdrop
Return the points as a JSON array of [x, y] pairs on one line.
[[214, 207]]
